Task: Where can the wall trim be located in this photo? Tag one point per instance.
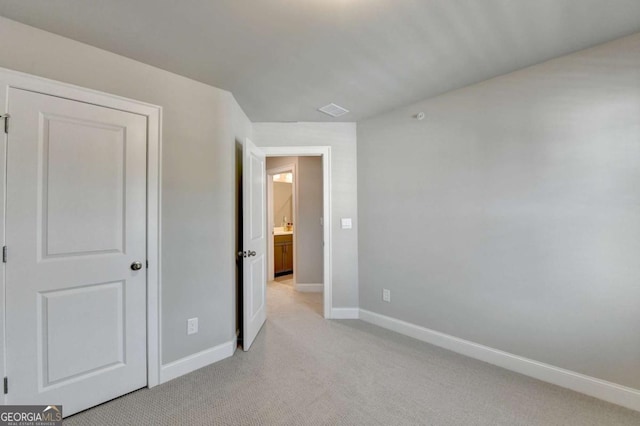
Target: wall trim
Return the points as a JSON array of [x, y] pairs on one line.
[[345, 313], [196, 361], [309, 288], [601, 389]]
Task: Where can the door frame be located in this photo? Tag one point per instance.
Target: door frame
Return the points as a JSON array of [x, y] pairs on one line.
[[270, 219], [153, 113], [325, 153]]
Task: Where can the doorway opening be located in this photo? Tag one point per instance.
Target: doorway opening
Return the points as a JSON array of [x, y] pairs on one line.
[[295, 226], [257, 240]]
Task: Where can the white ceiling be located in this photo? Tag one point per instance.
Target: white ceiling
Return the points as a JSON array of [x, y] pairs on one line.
[[282, 59]]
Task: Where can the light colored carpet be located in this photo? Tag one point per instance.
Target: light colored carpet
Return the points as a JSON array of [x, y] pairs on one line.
[[304, 370]]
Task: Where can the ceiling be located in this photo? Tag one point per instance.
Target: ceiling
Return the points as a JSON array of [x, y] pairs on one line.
[[282, 59]]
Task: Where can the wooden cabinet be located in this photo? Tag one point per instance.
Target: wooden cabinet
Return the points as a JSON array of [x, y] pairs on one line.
[[283, 255], [288, 257]]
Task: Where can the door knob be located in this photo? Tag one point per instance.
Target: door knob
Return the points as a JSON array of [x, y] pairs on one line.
[[136, 266], [252, 253]]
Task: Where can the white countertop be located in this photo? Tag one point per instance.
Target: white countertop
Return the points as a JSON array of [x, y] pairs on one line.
[[281, 231]]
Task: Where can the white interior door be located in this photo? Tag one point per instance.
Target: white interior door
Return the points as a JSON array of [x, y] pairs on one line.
[[76, 206], [254, 268]]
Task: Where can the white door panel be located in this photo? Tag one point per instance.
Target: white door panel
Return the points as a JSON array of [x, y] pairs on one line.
[[76, 208], [71, 185], [254, 243]]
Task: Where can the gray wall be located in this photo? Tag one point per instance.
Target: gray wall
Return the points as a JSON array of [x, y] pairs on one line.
[[520, 212], [200, 124], [275, 162], [309, 251], [341, 137]]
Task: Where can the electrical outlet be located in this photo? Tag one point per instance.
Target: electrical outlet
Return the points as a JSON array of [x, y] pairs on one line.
[[386, 295], [192, 325]]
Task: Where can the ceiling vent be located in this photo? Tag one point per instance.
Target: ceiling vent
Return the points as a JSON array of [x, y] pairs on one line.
[[333, 110]]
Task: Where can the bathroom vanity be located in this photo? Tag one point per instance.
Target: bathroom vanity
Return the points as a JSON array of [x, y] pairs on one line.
[[283, 253]]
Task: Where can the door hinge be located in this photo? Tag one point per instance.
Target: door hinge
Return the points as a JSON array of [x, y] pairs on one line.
[[6, 122], [4, 254], [6, 385]]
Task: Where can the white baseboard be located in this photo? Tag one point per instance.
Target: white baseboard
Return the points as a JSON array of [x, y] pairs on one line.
[[345, 313], [198, 360], [310, 288], [601, 389]]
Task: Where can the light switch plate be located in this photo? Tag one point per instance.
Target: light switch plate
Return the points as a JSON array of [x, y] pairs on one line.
[[345, 223]]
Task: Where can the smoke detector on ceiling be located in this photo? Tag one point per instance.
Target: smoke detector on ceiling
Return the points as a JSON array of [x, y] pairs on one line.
[[333, 110]]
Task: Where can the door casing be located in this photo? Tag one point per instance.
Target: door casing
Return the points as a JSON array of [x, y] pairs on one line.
[[153, 113]]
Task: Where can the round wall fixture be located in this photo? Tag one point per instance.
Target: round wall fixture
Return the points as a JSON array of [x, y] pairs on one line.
[[420, 116]]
